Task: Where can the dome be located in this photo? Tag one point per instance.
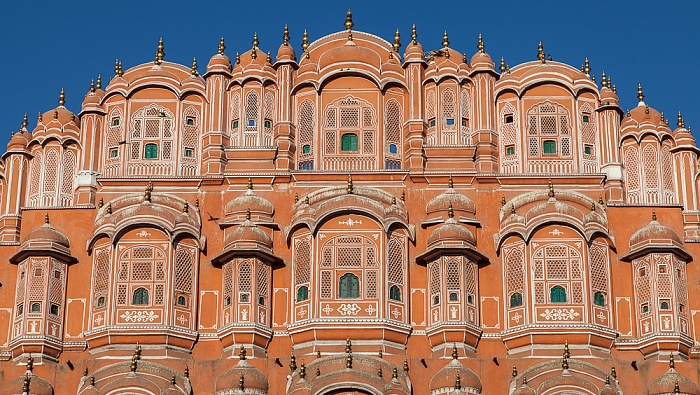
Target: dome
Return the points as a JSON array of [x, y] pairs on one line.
[[655, 233], [46, 234], [608, 97], [19, 140], [414, 51], [684, 137], [447, 376], [253, 379], [249, 233], [37, 385], [451, 231], [644, 113], [442, 202], [524, 389], [349, 53], [667, 383], [219, 62], [286, 51], [249, 201], [482, 60]]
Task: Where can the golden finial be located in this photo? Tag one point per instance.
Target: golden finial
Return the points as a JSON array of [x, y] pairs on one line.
[[25, 122], [607, 379], [450, 211], [193, 71], [186, 208], [464, 58], [566, 350], [187, 371], [285, 35], [593, 78], [586, 67], [62, 98], [455, 354], [269, 58], [255, 40], [403, 196], [381, 354], [137, 352], [613, 373], [305, 41], [92, 86], [405, 364], [348, 345], [222, 46], [101, 203], [351, 187], [39, 119], [676, 388], [671, 362], [503, 200], [241, 383], [640, 93], [447, 53], [663, 117], [458, 382], [318, 372], [609, 82], [109, 208], [306, 200], [160, 53], [614, 88], [397, 41], [348, 361], [254, 53], [134, 365], [173, 380], [480, 44], [600, 200], [414, 35], [445, 40], [393, 200], [55, 114], [348, 20], [99, 81], [250, 183], [512, 209], [540, 52], [46, 221], [147, 192], [238, 58], [646, 109], [318, 353], [681, 122], [395, 373], [515, 371], [196, 202], [379, 372], [565, 364], [116, 67], [604, 80], [241, 353], [30, 359], [25, 384], [302, 371], [593, 206], [502, 67], [296, 198], [92, 381], [247, 215], [293, 363], [524, 380], [450, 184], [551, 189], [85, 372]]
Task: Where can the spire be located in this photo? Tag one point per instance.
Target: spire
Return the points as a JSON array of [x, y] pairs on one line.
[[99, 81], [397, 41], [46, 221], [395, 373], [445, 40], [305, 43], [480, 44], [458, 382], [613, 372], [348, 345], [405, 364], [241, 353], [193, 71], [604, 80], [116, 68], [256, 42], [268, 59], [348, 21], [351, 187], [238, 58], [25, 122], [30, 359], [671, 363], [551, 190], [450, 183], [186, 208], [254, 52], [39, 119], [25, 384], [450, 211], [515, 372], [160, 53], [455, 354], [676, 388], [147, 192], [640, 93], [414, 35], [92, 86], [503, 65], [293, 363], [250, 183], [540, 52], [285, 35], [247, 215], [348, 361], [302, 370], [222, 46], [586, 67], [62, 98], [681, 122]]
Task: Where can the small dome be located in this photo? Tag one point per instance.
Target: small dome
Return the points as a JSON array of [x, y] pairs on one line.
[[249, 233], [19, 140], [286, 52], [91, 99], [607, 390], [684, 137], [451, 231], [219, 62], [46, 234], [667, 382], [442, 202], [482, 60], [644, 113], [608, 97], [253, 379], [447, 376], [37, 385], [525, 389], [655, 233], [249, 201]]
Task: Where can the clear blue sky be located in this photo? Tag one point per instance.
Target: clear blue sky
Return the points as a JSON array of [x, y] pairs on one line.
[[46, 45]]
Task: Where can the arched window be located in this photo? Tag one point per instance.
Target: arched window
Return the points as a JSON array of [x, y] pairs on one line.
[[35, 308], [516, 299], [181, 301], [302, 293], [140, 297], [349, 286], [557, 294], [395, 293], [101, 301], [349, 142], [151, 151], [599, 299], [664, 305]]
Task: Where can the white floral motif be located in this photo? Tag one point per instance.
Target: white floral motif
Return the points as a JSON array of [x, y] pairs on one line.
[[396, 313], [301, 313], [370, 309], [601, 316], [143, 233], [560, 314], [328, 309], [139, 316], [556, 232], [349, 309], [516, 317], [350, 222]]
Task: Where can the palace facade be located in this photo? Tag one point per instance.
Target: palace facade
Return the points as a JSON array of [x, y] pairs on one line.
[[361, 217]]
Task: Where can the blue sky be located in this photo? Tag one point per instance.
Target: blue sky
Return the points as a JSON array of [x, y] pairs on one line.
[[46, 45]]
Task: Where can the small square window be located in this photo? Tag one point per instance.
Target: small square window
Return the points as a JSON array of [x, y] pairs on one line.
[[470, 299], [588, 150], [664, 305], [56, 274], [38, 272], [586, 118], [464, 122], [54, 309], [261, 301], [549, 147], [436, 299], [268, 123], [245, 298], [645, 308], [251, 122], [115, 121], [235, 124], [101, 301], [454, 297], [508, 118], [35, 307], [227, 301], [189, 152], [393, 149], [305, 149], [190, 121], [114, 153], [663, 268], [181, 301], [642, 272], [431, 122], [510, 150], [450, 121]]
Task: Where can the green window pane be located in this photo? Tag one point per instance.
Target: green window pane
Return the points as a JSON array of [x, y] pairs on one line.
[[302, 293], [349, 286], [549, 147], [516, 299], [557, 294], [510, 150], [306, 149], [151, 151], [395, 293], [140, 296], [599, 299], [349, 142]]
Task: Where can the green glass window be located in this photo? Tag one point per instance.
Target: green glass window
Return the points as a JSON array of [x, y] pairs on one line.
[[645, 308], [227, 301], [151, 151], [20, 309], [349, 142], [454, 297], [115, 122], [510, 150], [349, 286], [431, 122], [664, 305], [557, 294], [436, 299], [189, 152], [190, 121], [140, 296], [181, 301], [101, 301], [464, 121], [114, 153], [268, 123], [54, 309], [588, 150], [35, 307], [302, 293], [516, 299], [586, 118], [549, 147], [395, 293], [599, 299], [306, 149], [470, 299], [245, 298], [235, 124], [261, 301]]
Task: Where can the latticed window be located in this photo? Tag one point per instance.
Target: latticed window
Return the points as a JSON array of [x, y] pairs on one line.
[[151, 137], [142, 267], [350, 256], [305, 126], [549, 128], [558, 265], [350, 135]]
